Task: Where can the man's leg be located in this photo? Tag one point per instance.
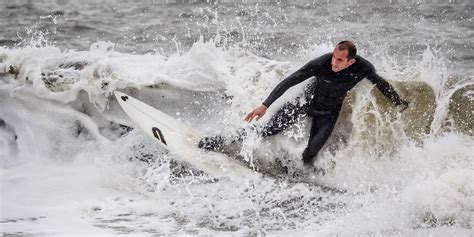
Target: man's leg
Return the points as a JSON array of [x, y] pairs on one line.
[[212, 143], [287, 115], [283, 118], [321, 129]]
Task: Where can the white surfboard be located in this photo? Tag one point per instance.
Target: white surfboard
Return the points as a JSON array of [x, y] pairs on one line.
[[179, 139]]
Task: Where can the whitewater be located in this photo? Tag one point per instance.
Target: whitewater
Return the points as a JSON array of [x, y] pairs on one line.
[[72, 163]]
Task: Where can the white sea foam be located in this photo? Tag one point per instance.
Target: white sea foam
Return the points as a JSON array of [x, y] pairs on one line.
[[69, 168]]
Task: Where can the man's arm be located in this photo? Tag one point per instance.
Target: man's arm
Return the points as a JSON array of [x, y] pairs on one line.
[[386, 88], [297, 77]]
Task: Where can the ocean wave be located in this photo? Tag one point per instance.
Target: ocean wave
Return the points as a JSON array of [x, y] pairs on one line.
[[57, 107]]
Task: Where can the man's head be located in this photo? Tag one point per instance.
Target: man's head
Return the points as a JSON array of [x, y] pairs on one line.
[[343, 56]]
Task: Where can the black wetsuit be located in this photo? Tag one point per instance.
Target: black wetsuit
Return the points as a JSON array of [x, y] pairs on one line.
[[323, 98]]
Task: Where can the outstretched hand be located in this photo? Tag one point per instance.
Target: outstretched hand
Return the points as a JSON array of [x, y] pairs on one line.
[[257, 112], [404, 105]]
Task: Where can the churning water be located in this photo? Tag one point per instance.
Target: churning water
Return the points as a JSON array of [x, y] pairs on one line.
[[72, 162]]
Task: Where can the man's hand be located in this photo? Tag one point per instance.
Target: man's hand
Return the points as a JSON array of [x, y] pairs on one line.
[[257, 112], [403, 105]]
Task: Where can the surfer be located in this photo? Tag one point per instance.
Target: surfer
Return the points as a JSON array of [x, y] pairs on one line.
[[333, 75]]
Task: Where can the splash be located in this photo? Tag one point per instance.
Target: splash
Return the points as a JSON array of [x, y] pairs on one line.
[[57, 111]]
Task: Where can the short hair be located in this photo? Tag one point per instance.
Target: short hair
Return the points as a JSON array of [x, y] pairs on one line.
[[349, 46]]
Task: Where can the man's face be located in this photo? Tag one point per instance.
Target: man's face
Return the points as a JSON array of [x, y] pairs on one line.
[[340, 61]]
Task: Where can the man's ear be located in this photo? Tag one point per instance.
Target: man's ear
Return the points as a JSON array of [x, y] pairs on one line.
[[352, 61]]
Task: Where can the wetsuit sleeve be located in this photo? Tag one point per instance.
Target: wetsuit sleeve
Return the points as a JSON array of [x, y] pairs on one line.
[[383, 86], [297, 77]]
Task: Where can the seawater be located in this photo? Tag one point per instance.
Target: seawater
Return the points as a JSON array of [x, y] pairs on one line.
[[72, 162]]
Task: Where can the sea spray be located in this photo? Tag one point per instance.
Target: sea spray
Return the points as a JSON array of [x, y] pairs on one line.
[[71, 154]]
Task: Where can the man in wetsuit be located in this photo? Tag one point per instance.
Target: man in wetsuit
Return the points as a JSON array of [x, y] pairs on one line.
[[334, 75]]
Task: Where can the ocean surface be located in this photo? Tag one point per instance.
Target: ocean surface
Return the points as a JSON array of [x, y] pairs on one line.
[[72, 163]]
